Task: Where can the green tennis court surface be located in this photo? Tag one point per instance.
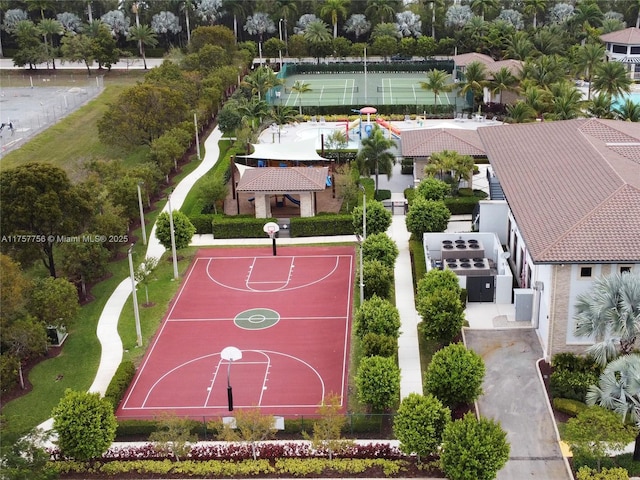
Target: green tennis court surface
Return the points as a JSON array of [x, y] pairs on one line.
[[358, 89]]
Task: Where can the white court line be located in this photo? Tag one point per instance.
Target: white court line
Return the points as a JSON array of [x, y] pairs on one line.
[[177, 320]]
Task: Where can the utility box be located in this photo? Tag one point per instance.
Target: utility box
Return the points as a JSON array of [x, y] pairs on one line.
[[523, 300]]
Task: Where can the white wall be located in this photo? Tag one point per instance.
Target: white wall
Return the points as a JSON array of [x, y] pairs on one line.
[[493, 218]]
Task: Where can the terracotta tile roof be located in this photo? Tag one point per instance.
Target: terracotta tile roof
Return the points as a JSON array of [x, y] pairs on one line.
[[289, 179], [575, 197], [465, 59], [628, 36], [423, 143], [514, 66]]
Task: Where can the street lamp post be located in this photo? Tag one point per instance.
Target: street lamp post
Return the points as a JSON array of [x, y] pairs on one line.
[[280, 32], [230, 354], [195, 123], [364, 237], [173, 240], [136, 313], [142, 225]]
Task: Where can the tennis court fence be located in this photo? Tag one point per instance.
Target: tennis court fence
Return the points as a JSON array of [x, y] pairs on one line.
[[346, 89]]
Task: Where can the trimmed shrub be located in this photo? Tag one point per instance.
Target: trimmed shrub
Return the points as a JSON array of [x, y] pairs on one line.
[[383, 195], [378, 382], [378, 316], [380, 246], [328, 224], [377, 345], [378, 279], [120, 382], [572, 376], [568, 406], [586, 473], [442, 315]]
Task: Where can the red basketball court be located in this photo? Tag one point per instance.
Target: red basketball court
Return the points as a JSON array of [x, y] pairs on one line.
[[289, 315]]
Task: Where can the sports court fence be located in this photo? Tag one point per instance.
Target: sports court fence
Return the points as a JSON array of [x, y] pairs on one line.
[[381, 67], [358, 425], [345, 89]]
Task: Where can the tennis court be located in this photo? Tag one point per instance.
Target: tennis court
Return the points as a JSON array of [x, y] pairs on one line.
[[358, 89], [289, 315]]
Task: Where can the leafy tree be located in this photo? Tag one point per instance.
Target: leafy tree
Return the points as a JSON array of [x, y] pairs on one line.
[[378, 218], [618, 473], [378, 382], [24, 339], [327, 429], [38, 199], [173, 436], [26, 459], [610, 312], [385, 45], [53, 301], [229, 118], [9, 371], [442, 315], [258, 24], [357, 24], [420, 423], [611, 78], [427, 216], [595, 432], [619, 390], [431, 188], [375, 156], [251, 427], [455, 375], [182, 227], [436, 279], [78, 48], [299, 87], [85, 424], [31, 51], [84, 262], [378, 279], [298, 46], [273, 47], [380, 246], [141, 114], [143, 274], [425, 47], [473, 449], [437, 81], [378, 345], [379, 316], [212, 191], [13, 287], [105, 47]]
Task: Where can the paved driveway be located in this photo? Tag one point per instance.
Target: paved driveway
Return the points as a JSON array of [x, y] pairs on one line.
[[514, 395]]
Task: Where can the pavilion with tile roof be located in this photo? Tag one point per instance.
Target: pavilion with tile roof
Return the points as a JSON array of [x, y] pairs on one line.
[[624, 46]]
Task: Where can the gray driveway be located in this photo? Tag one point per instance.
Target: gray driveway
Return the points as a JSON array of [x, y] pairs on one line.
[[514, 395]]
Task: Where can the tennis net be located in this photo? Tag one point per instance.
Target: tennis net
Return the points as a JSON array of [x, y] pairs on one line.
[[346, 90], [393, 89]]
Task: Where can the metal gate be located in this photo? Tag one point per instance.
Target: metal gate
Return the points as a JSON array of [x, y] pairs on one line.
[[480, 289]]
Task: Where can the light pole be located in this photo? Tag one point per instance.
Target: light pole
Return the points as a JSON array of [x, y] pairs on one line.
[[195, 123], [136, 313], [230, 354], [364, 212], [173, 240], [280, 32], [142, 225], [359, 240]]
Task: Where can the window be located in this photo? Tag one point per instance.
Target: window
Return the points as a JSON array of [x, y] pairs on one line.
[[635, 50], [619, 49], [586, 272], [625, 269]]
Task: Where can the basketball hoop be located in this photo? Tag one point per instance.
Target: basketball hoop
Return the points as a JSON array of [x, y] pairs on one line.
[[271, 228]]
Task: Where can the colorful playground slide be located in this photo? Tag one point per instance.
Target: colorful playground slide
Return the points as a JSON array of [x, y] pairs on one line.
[[354, 124], [383, 123]]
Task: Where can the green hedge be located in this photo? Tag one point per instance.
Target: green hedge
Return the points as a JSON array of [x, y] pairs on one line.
[[241, 226], [383, 195], [329, 224], [569, 406], [120, 382], [461, 205]]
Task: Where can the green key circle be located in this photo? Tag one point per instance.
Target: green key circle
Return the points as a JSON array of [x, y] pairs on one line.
[[256, 318]]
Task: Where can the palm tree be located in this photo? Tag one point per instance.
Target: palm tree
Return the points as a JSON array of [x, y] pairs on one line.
[[186, 6], [520, 112], [334, 9], [261, 80], [628, 111], [538, 99], [588, 57], [618, 389], [611, 78], [357, 24], [286, 9], [475, 79], [381, 11], [437, 81], [447, 162], [282, 115], [258, 24], [317, 36], [600, 106], [236, 8], [503, 80], [483, 5], [375, 156], [300, 87], [566, 102], [610, 313], [252, 110], [533, 7], [519, 46], [144, 35], [50, 27]]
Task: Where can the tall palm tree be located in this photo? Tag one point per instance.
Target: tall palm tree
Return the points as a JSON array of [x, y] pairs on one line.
[[282, 115], [538, 99], [628, 111], [300, 87], [533, 7], [588, 57], [334, 9], [50, 27], [437, 81], [381, 11], [375, 155], [252, 110], [286, 9], [611, 78], [483, 5], [503, 80], [450, 162], [261, 80], [236, 9], [600, 106], [520, 112], [186, 6], [475, 79], [566, 101], [317, 36], [618, 389], [145, 36], [519, 46], [610, 314]]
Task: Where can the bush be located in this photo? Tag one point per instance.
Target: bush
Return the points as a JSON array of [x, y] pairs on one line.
[[436, 279], [569, 406], [383, 195], [380, 246], [328, 224], [427, 216], [572, 376], [433, 189], [461, 205], [442, 315], [378, 279], [120, 382], [586, 473], [378, 316], [376, 345], [378, 382], [378, 218]]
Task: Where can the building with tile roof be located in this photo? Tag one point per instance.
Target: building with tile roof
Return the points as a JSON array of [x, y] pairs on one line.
[[572, 192], [624, 46]]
